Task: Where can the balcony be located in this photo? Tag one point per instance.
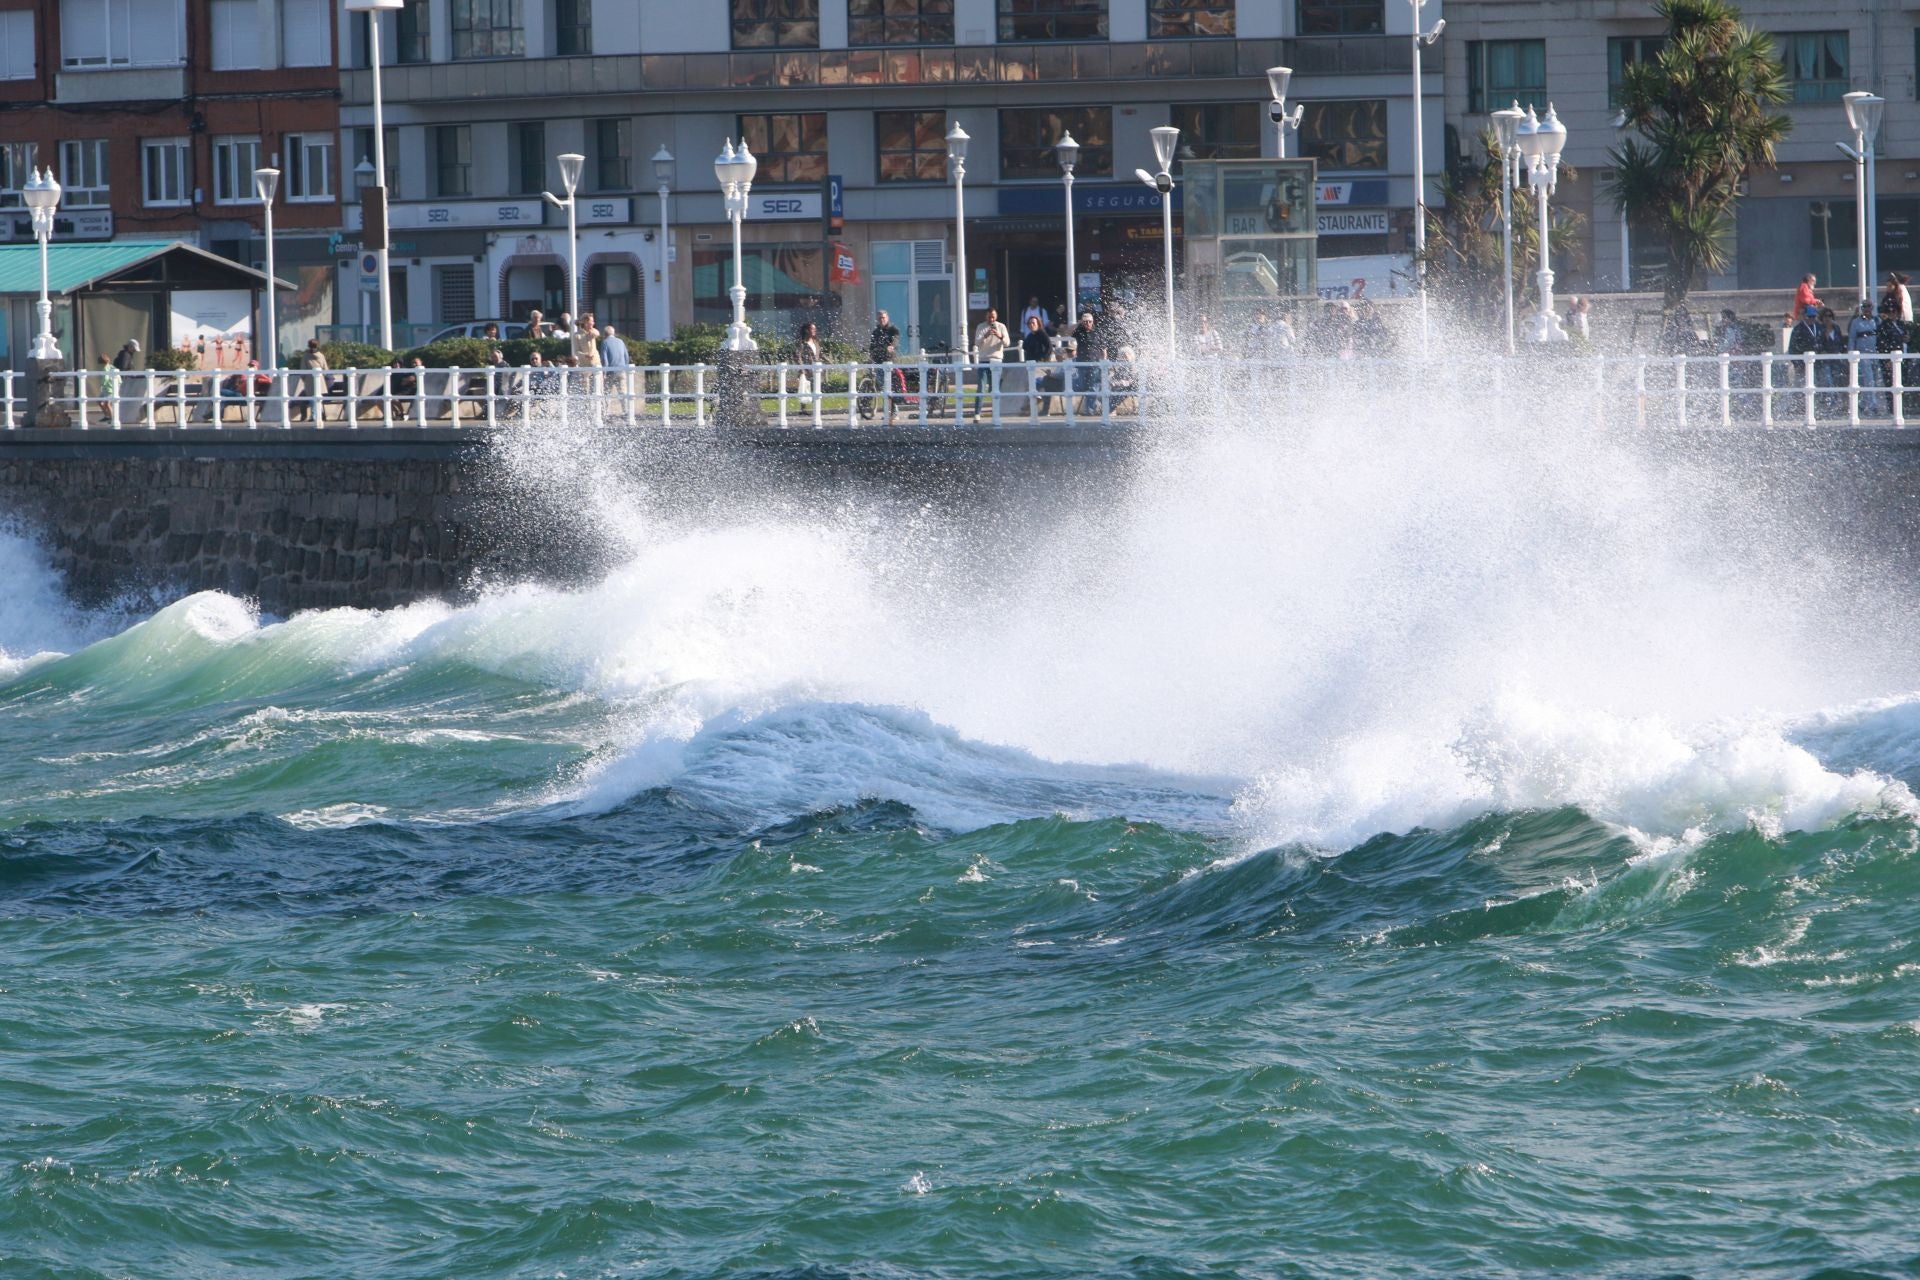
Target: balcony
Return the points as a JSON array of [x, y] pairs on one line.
[[840, 68], [167, 83]]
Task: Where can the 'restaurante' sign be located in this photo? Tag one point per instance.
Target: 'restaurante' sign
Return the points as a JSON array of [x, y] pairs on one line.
[[1353, 222]]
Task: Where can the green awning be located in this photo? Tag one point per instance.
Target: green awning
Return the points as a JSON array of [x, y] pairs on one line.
[[75, 266]]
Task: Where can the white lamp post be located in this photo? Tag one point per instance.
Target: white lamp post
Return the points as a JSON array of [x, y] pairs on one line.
[[265, 183], [1068, 152], [1278, 78], [373, 9], [735, 169], [1541, 142], [1165, 139], [42, 196], [663, 174], [570, 165], [1626, 243], [957, 141], [1863, 117], [1420, 38], [1506, 128]]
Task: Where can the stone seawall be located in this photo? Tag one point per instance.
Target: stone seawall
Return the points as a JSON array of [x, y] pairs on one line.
[[303, 519]]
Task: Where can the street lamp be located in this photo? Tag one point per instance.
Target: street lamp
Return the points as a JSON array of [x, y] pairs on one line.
[[1277, 80], [265, 183], [1626, 242], [663, 174], [42, 194], [1863, 117], [1541, 142], [1068, 152], [1506, 129], [735, 169], [1165, 139], [373, 9], [570, 164], [957, 141], [1420, 38]]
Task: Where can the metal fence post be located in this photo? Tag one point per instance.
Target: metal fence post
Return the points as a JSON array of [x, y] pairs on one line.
[[700, 395], [1807, 388], [1766, 389]]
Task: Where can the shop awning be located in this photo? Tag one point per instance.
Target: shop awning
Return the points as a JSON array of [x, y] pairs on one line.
[[159, 264]]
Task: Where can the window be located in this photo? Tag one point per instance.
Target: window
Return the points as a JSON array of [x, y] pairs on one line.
[[912, 145], [782, 281], [572, 27], [1504, 71], [1027, 137], [306, 33], [613, 154], [413, 29], [308, 160], [790, 147], [1345, 135], [1219, 130], [453, 292], [16, 45], [776, 24], [234, 160], [1053, 20], [236, 34], [1628, 51], [363, 150], [1816, 63], [899, 22], [488, 29], [16, 170], [121, 33], [452, 160], [527, 157], [1342, 17], [1170, 18], [83, 173], [166, 172]]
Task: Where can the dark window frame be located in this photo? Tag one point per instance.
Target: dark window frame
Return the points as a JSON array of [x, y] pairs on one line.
[[1339, 155], [777, 166], [1183, 19], [919, 160], [1023, 155], [486, 29], [1641, 48], [870, 24], [1828, 88], [413, 33], [452, 173], [572, 28], [1033, 21], [1212, 147], [1483, 97], [1341, 17], [613, 172], [529, 171], [775, 24]]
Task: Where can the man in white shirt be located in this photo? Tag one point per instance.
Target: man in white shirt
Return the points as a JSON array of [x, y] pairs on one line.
[[1033, 309], [614, 357], [990, 341]]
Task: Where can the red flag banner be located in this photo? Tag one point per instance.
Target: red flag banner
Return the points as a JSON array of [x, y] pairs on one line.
[[845, 270]]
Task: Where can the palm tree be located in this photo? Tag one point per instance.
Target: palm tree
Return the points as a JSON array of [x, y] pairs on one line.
[[1701, 108]]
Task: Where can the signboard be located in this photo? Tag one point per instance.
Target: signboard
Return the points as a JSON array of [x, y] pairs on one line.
[[1359, 191], [213, 324], [75, 224], [1109, 199], [836, 205], [778, 205], [601, 209], [457, 213], [369, 271], [1353, 222]]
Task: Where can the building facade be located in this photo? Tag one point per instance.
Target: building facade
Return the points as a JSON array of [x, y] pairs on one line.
[[153, 114], [1799, 219], [854, 97]]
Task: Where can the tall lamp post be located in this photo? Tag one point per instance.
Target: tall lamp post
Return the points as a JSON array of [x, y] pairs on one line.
[[663, 174], [1420, 38], [1541, 142], [570, 166], [265, 183], [1506, 129], [371, 236], [735, 169], [1278, 78], [1068, 153], [1863, 117], [1626, 242], [957, 141], [42, 196], [1165, 139]]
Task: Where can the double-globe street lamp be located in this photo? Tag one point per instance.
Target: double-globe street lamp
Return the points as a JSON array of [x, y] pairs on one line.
[[570, 165], [1068, 152], [957, 140], [1541, 142], [1165, 139], [1506, 130], [1278, 78], [663, 174], [735, 170], [1863, 117], [378, 234], [265, 183], [42, 196]]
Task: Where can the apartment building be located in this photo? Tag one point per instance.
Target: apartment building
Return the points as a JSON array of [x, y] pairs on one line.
[[1799, 219], [154, 114], [854, 98]]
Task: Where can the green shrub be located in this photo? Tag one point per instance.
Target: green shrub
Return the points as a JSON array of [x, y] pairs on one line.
[[170, 358], [451, 353], [519, 350], [356, 355]]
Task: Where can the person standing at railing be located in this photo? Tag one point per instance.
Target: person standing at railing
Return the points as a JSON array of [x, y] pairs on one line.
[[1036, 346], [1897, 294], [109, 392], [615, 360], [1804, 298], [1832, 352], [313, 386], [990, 341], [1890, 342]]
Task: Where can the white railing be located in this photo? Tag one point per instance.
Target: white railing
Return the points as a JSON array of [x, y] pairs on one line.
[[1769, 390]]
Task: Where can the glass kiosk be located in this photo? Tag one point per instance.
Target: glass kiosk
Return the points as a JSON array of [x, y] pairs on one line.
[[1250, 234]]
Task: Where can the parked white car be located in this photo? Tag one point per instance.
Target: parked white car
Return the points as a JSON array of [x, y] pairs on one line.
[[478, 329]]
